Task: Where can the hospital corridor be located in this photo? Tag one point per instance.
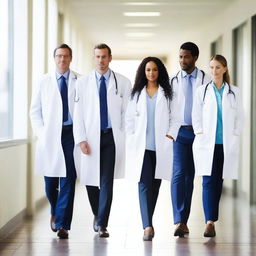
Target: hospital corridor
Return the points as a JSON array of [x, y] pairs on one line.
[[70, 152]]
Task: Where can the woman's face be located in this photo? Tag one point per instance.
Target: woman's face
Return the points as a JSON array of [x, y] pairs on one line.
[[217, 69], [151, 71]]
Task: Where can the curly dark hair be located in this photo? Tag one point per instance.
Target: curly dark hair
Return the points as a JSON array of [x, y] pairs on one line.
[[163, 78]]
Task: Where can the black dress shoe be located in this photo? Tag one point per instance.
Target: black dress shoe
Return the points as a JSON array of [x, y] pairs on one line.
[[103, 232], [62, 233], [95, 224], [52, 224], [209, 230], [181, 230]]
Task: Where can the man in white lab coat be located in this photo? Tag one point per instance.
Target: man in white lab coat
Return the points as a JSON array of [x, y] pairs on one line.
[[100, 106], [51, 116], [184, 85]]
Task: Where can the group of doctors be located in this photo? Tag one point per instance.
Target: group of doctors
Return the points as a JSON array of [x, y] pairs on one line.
[[99, 127]]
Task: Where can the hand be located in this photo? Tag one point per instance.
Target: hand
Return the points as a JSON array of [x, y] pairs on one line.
[[170, 137], [85, 147]]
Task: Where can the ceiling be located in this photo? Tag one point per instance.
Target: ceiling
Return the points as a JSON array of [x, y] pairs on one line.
[[104, 21]]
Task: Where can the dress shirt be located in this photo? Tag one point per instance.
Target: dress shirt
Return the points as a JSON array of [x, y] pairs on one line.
[[107, 78], [66, 75]]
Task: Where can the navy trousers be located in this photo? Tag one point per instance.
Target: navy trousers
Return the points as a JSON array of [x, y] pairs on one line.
[[182, 184], [212, 186], [60, 191], [101, 198], [148, 188]]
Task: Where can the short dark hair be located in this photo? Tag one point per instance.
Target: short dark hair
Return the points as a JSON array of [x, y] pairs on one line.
[[193, 48], [103, 46], [61, 46]]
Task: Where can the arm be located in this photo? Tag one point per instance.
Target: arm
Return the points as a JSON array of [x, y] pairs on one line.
[[36, 115], [126, 97], [78, 119], [197, 114], [130, 115], [174, 117], [240, 114]]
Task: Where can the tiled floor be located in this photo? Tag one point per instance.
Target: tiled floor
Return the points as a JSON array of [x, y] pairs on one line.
[[236, 230]]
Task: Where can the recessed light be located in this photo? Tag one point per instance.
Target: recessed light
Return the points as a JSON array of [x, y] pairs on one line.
[[142, 14]]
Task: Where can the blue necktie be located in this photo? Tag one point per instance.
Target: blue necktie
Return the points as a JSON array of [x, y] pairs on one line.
[[188, 101], [64, 97], [103, 104]]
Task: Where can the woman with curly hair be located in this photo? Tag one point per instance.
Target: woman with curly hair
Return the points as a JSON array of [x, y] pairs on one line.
[[152, 123]]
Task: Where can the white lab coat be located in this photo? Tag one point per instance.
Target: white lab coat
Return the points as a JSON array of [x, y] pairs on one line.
[[46, 120], [167, 122], [178, 87], [204, 116], [87, 124]]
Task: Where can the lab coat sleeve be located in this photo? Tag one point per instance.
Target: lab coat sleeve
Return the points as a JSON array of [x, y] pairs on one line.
[[126, 96], [239, 115], [130, 116], [78, 120], [36, 115], [197, 112], [174, 116]]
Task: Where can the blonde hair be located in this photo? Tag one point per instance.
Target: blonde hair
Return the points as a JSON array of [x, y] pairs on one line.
[[221, 59]]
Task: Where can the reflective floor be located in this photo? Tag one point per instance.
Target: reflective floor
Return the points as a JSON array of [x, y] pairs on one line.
[[236, 230]]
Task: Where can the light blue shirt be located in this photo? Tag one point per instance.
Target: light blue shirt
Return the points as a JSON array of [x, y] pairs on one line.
[[66, 75], [107, 77], [150, 132], [184, 81], [219, 128]]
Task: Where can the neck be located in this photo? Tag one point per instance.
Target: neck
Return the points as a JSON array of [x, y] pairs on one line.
[[218, 83], [190, 70], [152, 84], [102, 72], [62, 71]]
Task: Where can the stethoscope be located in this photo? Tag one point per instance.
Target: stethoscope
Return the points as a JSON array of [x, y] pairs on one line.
[[176, 77], [76, 97], [229, 91]]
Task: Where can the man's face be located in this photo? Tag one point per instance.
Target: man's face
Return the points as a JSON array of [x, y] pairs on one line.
[[62, 60], [187, 61], [102, 60]]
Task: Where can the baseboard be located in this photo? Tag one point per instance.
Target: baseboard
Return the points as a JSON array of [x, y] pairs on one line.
[[12, 224], [16, 221]]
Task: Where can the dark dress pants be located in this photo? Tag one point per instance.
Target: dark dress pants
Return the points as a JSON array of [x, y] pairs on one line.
[[148, 188], [60, 191], [101, 198], [212, 185], [182, 184]]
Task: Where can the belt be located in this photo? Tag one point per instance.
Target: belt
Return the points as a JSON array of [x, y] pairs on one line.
[[67, 127], [188, 127], [109, 130]]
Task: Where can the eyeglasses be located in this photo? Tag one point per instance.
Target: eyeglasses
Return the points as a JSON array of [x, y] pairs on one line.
[[59, 56]]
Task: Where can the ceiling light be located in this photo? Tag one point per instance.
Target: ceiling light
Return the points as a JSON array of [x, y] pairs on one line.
[[140, 25], [142, 14]]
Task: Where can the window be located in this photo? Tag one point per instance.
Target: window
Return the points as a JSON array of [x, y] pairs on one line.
[[5, 67]]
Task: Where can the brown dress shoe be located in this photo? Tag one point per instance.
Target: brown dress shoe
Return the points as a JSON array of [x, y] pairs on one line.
[[148, 234], [62, 233], [209, 230], [52, 224], [103, 232], [181, 230]]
